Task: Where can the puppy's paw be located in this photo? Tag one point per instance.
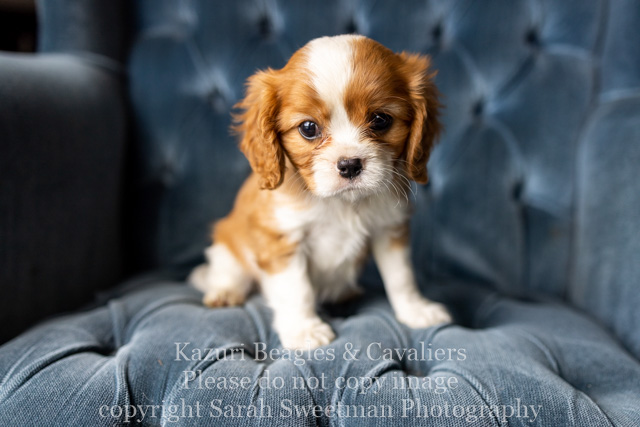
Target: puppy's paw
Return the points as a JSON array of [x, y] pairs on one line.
[[422, 314], [305, 334], [224, 297]]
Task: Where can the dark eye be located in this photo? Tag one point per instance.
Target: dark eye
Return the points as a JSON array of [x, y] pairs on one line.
[[309, 130], [380, 122]]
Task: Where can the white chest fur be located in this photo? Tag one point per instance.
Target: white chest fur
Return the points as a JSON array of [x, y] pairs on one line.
[[334, 235]]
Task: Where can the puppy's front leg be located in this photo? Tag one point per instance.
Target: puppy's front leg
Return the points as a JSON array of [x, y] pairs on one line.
[[290, 294], [393, 257]]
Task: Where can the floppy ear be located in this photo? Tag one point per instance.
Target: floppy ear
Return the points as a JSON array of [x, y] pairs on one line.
[[425, 126], [260, 141]]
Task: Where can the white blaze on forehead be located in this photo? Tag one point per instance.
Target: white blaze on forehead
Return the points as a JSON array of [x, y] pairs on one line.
[[330, 61]]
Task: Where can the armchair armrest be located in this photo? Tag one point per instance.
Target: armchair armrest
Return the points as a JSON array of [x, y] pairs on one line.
[[62, 136]]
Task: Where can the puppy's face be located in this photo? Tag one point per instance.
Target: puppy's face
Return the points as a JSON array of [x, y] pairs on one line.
[[350, 116]]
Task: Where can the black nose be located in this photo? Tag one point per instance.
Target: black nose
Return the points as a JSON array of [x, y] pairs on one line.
[[350, 168]]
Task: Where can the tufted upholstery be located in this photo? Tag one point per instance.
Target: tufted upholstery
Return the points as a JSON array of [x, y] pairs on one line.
[[126, 353], [527, 229]]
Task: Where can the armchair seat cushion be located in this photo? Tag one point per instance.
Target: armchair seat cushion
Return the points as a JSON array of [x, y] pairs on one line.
[[154, 354]]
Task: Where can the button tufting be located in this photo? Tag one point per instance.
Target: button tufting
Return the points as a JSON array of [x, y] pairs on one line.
[[265, 26], [531, 38], [436, 33], [167, 174], [516, 192], [478, 108], [268, 23], [216, 99], [352, 27]]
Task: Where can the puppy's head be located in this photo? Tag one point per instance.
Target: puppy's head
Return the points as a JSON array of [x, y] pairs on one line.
[[348, 114]]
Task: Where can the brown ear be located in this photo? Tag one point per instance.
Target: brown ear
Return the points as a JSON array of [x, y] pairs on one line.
[[425, 126], [260, 141]]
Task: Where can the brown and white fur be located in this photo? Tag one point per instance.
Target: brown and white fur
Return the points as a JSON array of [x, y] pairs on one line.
[[303, 223]]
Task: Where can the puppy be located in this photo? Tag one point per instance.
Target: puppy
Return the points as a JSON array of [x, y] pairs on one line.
[[333, 139]]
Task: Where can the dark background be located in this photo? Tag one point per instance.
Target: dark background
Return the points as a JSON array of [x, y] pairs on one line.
[[18, 25]]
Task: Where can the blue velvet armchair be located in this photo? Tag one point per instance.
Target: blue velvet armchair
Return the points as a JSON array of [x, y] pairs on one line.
[[116, 157]]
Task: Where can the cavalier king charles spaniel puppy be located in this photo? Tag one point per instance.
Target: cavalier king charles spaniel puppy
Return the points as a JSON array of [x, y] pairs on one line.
[[334, 140]]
